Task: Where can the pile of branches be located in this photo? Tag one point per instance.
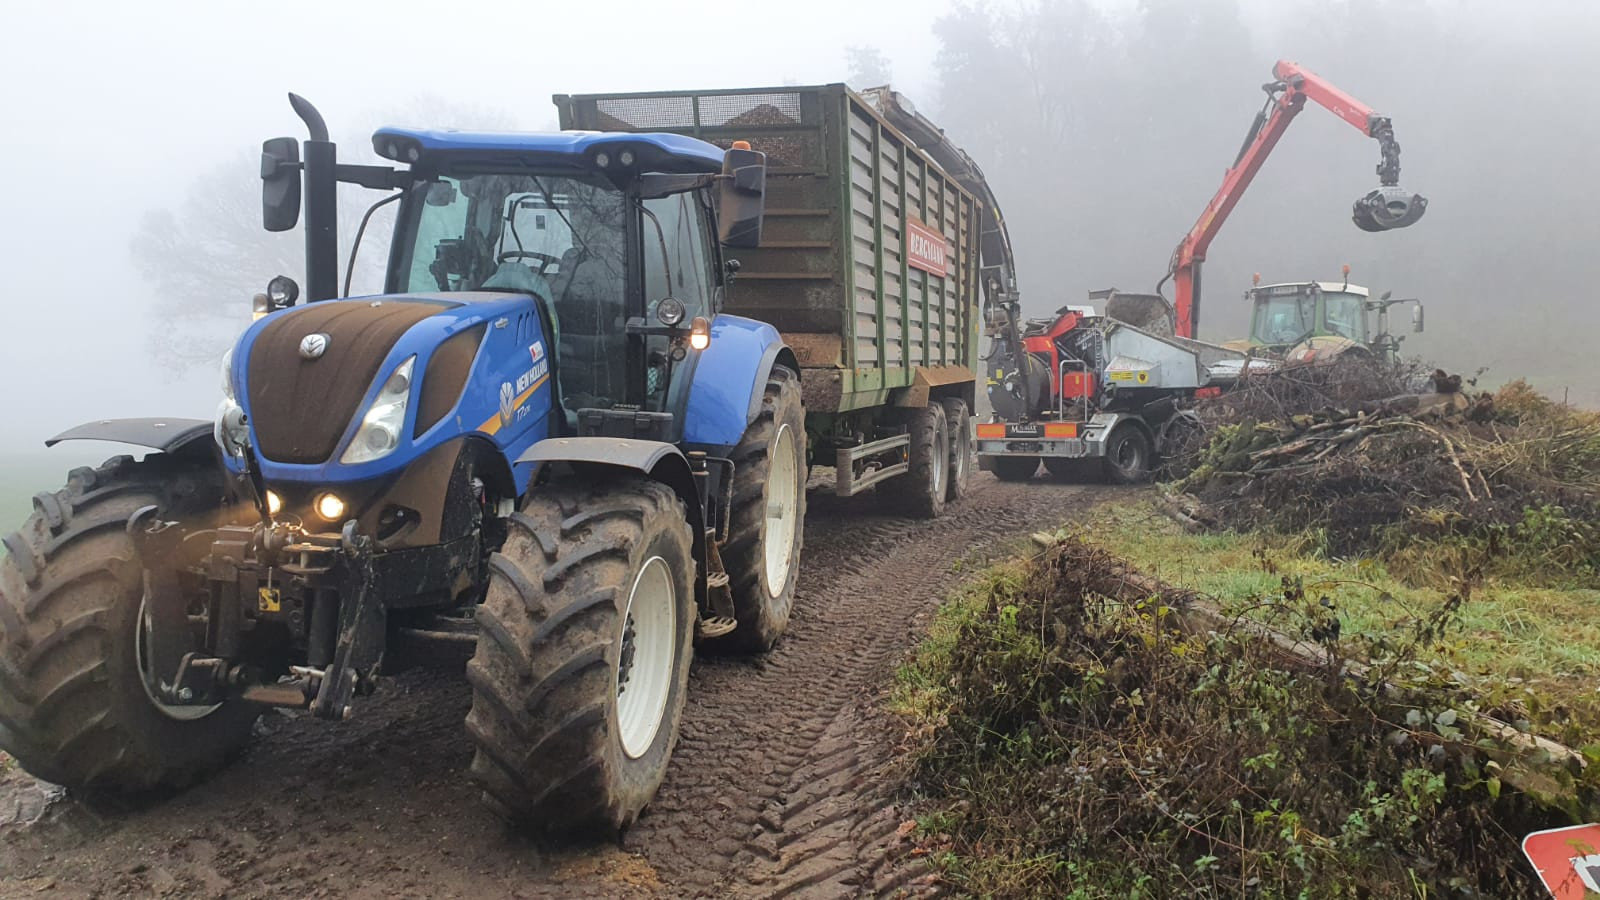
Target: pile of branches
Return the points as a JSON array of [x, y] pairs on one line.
[[1086, 739], [1346, 453]]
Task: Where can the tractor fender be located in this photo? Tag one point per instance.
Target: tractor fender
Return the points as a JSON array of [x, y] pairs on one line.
[[166, 435], [730, 379], [659, 460]]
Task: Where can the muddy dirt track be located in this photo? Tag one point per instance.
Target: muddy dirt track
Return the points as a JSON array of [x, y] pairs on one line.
[[777, 787]]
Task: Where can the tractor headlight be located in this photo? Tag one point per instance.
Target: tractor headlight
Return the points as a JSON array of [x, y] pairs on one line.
[[231, 431], [380, 428]]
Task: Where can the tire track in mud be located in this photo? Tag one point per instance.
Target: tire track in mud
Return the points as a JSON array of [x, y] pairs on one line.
[[780, 785]]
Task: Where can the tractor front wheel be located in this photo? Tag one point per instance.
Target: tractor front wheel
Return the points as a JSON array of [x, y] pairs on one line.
[[78, 700], [583, 654]]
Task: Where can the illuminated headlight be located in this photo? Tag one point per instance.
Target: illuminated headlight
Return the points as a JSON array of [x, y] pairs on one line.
[[379, 433], [231, 431], [330, 507], [274, 503]]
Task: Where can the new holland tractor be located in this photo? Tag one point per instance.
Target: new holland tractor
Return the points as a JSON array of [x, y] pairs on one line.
[[527, 443]]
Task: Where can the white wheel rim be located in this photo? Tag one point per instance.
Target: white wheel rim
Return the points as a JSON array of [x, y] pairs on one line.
[[148, 679], [782, 496], [645, 658]]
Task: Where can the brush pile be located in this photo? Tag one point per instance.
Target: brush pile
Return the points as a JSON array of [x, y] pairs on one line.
[[1510, 480], [1081, 737]]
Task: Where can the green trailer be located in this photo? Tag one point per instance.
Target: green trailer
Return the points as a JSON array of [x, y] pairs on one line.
[[869, 265]]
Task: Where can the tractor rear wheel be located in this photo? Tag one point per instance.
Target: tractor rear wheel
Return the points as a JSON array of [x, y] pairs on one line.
[[762, 554], [921, 491], [583, 654], [77, 702], [1014, 468], [1127, 455], [959, 420]]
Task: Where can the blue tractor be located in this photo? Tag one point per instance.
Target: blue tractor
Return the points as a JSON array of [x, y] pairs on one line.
[[524, 447]]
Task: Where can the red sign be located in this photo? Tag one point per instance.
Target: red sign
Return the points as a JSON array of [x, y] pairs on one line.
[[926, 249], [1567, 860]]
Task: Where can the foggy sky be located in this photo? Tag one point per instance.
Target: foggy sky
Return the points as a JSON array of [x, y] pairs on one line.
[[112, 107]]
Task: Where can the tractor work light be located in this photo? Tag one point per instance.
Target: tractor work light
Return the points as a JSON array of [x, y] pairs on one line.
[[626, 158], [1388, 208], [602, 159], [670, 311], [330, 507], [274, 503], [700, 333]]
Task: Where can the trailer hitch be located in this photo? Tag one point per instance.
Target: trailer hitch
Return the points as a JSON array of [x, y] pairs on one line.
[[361, 626]]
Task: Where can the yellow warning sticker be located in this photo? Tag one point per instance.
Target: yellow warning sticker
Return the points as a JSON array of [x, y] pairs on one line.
[[271, 600]]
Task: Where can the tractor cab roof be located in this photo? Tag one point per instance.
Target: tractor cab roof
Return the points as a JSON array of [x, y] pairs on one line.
[[1327, 287], [579, 150]]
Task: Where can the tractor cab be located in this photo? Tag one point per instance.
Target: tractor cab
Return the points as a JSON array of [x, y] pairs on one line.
[[1283, 315], [1300, 320]]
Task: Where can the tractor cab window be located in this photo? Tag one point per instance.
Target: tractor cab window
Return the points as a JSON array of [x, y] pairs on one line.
[[557, 237], [1345, 315], [675, 253], [1283, 318]]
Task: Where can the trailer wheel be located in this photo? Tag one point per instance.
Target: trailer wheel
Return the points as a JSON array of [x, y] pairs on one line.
[[76, 707], [959, 419], [762, 554], [921, 491], [583, 655], [1127, 455], [1014, 468]]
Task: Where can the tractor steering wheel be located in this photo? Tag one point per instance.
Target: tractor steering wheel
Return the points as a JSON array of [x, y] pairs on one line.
[[545, 259]]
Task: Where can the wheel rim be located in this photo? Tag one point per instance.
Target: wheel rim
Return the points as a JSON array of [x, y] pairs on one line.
[[645, 659], [150, 681], [962, 452], [1129, 455], [941, 461], [782, 520]]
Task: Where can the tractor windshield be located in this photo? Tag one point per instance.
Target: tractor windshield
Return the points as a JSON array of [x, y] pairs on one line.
[[1283, 318], [558, 237], [1345, 315]]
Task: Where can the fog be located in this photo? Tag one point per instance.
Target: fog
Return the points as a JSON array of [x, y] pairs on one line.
[[1104, 127]]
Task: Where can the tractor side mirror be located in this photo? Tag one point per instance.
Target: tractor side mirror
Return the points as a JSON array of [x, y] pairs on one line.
[[1416, 317], [1385, 295], [280, 183], [741, 197]]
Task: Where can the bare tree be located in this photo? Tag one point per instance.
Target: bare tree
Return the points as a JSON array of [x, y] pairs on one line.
[[868, 67], [206, 257]]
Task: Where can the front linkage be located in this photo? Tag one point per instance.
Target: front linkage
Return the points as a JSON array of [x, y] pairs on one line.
[[259, 586]]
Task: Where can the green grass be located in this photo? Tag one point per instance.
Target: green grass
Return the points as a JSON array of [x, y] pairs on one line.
[[1537, 645]]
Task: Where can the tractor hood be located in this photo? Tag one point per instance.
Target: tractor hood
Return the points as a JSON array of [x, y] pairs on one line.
[[305, 378]]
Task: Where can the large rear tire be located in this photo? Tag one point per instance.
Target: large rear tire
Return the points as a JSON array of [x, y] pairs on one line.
[[583, 656], [959, 420], [920, 492], [75, 708], [1014, 468], [765, 533]]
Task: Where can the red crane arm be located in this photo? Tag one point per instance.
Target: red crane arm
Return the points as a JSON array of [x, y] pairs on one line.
[[1285, 98]]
